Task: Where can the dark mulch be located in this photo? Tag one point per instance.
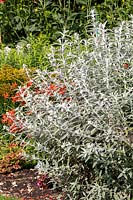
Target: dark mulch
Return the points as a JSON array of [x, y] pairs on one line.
[[23, 184]]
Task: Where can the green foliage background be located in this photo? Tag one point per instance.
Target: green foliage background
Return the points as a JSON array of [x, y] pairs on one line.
[[20, 18]]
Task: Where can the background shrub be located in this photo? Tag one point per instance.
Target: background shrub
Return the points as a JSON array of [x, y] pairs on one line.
[[21, 18], [114, 11], [79, 115]]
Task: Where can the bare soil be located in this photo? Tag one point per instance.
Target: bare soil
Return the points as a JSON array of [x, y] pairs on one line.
[[22, 184]]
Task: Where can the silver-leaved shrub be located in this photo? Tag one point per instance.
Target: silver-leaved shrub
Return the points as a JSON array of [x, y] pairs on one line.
[[79, 117]]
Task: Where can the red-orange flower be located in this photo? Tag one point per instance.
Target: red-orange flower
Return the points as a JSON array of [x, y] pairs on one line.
[[51, 89], [16, 127], [17, 97], [126, 65], [14, 85], [13, 128], [2, 1], [6, 95], [4, 118], [11, 113], [62, 90], [9, 117], [29, 84], [22, 103], [12, 145]]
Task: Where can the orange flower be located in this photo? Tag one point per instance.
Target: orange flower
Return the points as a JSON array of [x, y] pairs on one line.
[[11, 112], [12, 145], [2, 1], [8, 117], [62, 90], [16, 166], [52, 87], [15, 128], [17, 97], [6, 95], [29, 84], [4, 118], [22, 103], [126, 65], [14, 85]]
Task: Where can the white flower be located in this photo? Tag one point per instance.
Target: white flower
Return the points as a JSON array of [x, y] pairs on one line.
[[19, 48], [28, 46], [7, 50]]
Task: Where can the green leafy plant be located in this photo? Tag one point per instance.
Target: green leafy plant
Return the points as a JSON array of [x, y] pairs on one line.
[[114, 11], [21, 18], [30, 52], [7, 198]]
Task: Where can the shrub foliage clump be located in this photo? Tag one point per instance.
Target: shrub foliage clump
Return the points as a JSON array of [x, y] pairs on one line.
[[10, 79], [19, 19], [10, 75], [79, 116]]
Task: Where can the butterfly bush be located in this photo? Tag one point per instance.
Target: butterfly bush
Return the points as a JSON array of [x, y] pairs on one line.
[[79, 115]]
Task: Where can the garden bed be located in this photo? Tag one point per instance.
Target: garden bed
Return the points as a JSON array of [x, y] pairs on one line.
[[22, 184]]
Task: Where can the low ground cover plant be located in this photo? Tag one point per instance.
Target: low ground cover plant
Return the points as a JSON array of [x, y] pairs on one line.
[[11, 157], [12, 154], [7, 198], [78, 117]]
